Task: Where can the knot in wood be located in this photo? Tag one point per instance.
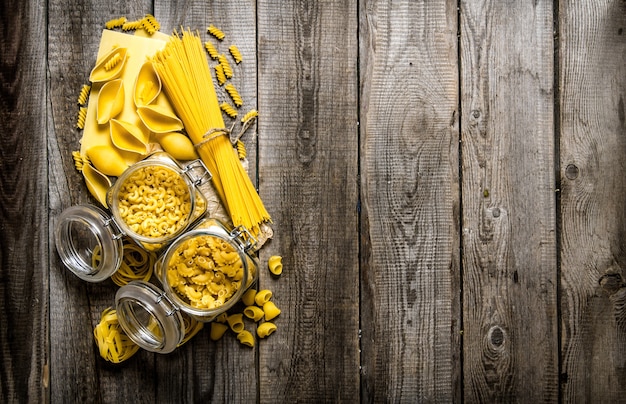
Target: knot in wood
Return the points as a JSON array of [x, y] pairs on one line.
[[571, 171], [496, 337]]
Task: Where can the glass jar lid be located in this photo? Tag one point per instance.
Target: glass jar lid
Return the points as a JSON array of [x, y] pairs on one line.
[[88, 242], [149, 317]]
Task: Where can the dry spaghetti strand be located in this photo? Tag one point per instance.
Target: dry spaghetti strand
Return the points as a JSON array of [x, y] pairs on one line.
[[186, 76]]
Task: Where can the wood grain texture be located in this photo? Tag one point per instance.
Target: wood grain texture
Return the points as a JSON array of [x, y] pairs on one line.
[[308, 149], [509, 242], [24, 202], [410, 202], [593, 145]]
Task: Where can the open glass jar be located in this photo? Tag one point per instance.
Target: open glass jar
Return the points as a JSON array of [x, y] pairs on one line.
[[152, 202], [202, 274]]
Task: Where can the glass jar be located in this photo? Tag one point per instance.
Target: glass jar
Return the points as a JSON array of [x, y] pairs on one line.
[[202, 274], [139, 204]]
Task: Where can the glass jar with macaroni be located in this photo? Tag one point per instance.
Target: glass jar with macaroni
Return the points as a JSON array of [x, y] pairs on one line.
[[202, 274], [152, 203]]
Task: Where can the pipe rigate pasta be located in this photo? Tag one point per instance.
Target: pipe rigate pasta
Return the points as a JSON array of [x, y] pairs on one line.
[[270, 310], [235, 322], [265, 329], [218, 330], [254, 313], [216, 32], [246, 338], [275, 264], [262, 297]]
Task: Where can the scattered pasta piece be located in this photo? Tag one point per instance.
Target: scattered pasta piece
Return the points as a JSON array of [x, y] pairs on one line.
[[220, 75], [270, 310], [234, 51], [254, 313], [114, 61], [132, 25], [248, 297], [222, 318], [82, 115], [216, 32], [79, 160], [262, 297], [113, 344], [234, 94], [228, 109], [275, 264], [235, 322], [115, 23], [265, 329], [212, 50], [150, 24], [218, 330], [241, 149], [246, 338], [253, 113], [84, 93], [228, 71]]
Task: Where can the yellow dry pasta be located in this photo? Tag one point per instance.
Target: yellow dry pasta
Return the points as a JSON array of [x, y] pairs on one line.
[[246, 338], [113, 344], [212, 50], [79, 160], [253, 113], [228, 70], [114, 61], [241, 149], [254, 313], [234, 94], [84, 93], [132, 25], [235, 322], [192, 327], [265, 329], [220, 75], [82, 115], [235, 53], [150, 24], [115, 23], [218, 330], [275, 264], [262, 297], [270, 310], [216, 32], [248, 297], [137, 264]]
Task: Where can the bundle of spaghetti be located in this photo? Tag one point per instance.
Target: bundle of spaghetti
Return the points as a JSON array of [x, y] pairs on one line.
[[184, 71]]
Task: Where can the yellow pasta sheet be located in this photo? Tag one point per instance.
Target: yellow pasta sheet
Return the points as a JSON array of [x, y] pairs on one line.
[[139, 48]]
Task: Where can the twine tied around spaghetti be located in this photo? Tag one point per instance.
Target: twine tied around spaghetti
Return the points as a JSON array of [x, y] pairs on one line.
[[215, 132]]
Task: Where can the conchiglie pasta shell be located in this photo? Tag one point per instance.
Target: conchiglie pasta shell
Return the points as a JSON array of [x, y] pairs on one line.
[[147, 86], [107, 160], [110, 101], [129, 137], [97, 183], [177, 145], [159, 119], [100, 73]]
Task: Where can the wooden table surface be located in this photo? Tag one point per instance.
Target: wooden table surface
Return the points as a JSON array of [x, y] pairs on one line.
[[446, 180]]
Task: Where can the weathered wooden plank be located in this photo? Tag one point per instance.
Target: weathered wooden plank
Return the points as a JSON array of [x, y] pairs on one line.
[[510, 345], [207, 371], [307, 55], [24, 228], [593, 144], [77, 371], [410, 202]]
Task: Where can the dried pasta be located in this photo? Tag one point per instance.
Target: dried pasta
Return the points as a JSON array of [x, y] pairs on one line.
[[114, 61], [212, 50], [217, 330], [235, 322], [84, 93], [155, 201], [192, 327], [270, 310], [234, 94], [205, 272], [132, 25], [253, 113], [228, 109], [113, 344], [262, 297], [254, 313], [235, 53], [246, 338], [275, 264], [228, 70], [150, 24], [115, 23], [220, 75], [216, 32], [265, 329], [80, 120], [248, 297], [241, 149], [137, 264]]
